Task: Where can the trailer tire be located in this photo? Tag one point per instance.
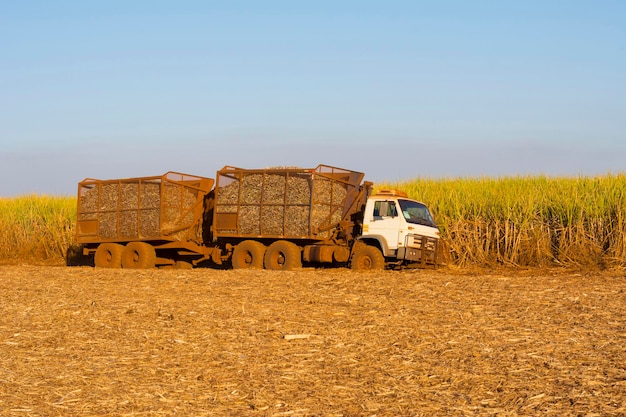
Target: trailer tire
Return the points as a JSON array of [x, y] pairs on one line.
[[248, 255], [109, 255], [283, 255], [139, 255], [367, 258]]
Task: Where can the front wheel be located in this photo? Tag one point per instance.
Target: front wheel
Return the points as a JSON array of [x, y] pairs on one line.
[[367, 258]]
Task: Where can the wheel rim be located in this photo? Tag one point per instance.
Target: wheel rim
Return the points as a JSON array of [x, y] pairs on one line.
[[134, 258], [247, 258], [365, 263]]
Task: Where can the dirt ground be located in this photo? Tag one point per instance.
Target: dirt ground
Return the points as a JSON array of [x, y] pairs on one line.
[[86, 342]]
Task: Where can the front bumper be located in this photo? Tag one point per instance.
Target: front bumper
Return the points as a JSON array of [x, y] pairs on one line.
[[417, 248]]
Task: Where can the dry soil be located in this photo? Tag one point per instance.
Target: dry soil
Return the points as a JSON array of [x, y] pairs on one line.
[[86, 342]]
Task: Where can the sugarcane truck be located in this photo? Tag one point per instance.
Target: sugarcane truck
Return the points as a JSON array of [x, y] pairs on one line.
[[276, 218]]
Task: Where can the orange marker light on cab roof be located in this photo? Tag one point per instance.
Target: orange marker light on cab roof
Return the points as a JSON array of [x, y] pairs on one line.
[[391, 193]]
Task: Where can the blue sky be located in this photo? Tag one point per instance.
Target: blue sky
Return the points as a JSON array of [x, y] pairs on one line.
[[395, 89]]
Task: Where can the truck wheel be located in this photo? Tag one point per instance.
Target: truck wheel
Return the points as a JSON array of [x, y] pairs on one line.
[[283, 255], [109, 255], [138, 255], [248, 255], [367, 258]]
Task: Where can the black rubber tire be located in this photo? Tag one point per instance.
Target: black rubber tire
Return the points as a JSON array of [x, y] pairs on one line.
[[283, 255], [139, 255], [367, 258], [109, 255], [248, 255]]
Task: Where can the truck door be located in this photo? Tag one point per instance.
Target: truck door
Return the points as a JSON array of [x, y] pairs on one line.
[[384, 221]]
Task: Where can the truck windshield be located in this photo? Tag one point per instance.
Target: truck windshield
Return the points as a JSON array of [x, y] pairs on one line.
[[417, 213]]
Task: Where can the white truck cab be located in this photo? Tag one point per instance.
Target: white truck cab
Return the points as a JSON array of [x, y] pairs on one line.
[[403, 229]]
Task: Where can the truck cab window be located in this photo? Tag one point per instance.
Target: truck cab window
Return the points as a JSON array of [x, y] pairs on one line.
[[417, 213], [385, 209]]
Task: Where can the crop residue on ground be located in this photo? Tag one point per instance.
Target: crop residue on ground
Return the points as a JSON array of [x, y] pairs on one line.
[[83, 341]]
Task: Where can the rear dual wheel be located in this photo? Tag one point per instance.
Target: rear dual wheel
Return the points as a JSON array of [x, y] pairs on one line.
[[135, 255], [138, 255], [280, 255], [248, 255], [283, 255]]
